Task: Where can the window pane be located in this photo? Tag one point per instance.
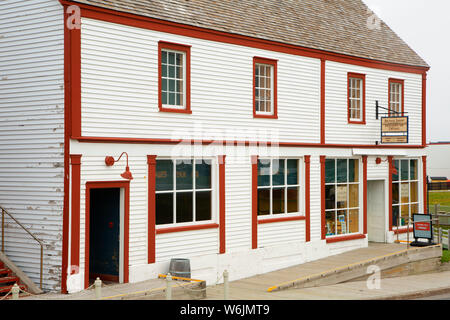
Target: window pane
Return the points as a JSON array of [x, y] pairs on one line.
[[164, 208], [278, 201], [413, 170], [263, 173], [342, 222], [395, 193], [414, 209], [342, 170], [414, 192], [354, 196], [397, 167], [171, 98], [353, 221], [171, 57], [278, 172], [184, 207], [330, 197], [263, 202], [203, 174], [292, 172], [395, 214], [353, 170], [184, 175], [404, 215], [171, 71], [404, 192], [164, 56], [164, 175], [342, 196], [404, 169], [330, 173], [164, 97], [203, 206], [292, 200], [330, 223]]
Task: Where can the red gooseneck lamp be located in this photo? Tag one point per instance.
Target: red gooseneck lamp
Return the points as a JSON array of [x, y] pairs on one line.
[[109, 161]]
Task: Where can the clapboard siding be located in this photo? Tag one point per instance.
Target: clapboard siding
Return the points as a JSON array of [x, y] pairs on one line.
[[338, 130], [119, 88], [32, 133]]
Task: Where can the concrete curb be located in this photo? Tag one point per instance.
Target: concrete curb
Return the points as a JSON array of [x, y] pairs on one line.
[[415, 295]]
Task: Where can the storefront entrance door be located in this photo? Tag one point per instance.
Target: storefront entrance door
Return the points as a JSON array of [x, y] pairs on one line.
[[376, 215]]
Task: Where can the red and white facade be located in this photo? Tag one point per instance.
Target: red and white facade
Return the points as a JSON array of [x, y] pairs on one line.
[[112, 101]]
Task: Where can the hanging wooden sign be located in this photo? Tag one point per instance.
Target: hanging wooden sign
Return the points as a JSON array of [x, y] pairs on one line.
[[394, 130]]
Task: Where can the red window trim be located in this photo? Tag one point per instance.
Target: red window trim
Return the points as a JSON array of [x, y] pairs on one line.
[[187, 50], [402, 82], [346, 238], [363, 78], [282, 219], [187, 228], [273, 63]]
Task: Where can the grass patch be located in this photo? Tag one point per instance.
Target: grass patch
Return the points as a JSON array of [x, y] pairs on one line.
[[439, 197], [445, 256]]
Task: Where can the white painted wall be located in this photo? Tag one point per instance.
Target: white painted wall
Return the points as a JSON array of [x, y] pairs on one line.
[[32, 132], [338, 130]]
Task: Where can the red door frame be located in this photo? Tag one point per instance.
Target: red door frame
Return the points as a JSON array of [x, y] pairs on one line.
[[103, 185]]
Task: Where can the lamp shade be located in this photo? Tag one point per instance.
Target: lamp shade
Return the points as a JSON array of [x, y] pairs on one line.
[[127, 174]]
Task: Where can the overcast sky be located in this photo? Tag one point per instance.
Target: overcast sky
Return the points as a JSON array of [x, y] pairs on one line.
[[425, 27]]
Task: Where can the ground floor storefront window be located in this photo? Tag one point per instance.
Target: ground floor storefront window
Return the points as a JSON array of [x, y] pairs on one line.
[[405, 191], [342, 205]]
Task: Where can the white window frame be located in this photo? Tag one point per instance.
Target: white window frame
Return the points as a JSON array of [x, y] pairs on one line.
[[353, 100], [299, 185], [348, 208], [213, 190], [396, 91], [272, 90], [169, 106]]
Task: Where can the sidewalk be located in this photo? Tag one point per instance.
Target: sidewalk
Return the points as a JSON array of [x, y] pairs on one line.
[[408, 287]]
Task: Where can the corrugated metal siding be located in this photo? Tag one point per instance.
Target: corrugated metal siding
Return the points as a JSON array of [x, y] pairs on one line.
[[337, 128], [119, 88], [32, 132]]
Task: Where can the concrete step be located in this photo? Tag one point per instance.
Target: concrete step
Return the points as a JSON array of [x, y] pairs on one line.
[[398, 262]]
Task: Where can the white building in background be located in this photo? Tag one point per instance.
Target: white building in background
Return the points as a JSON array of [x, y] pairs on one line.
[[251, 135], [438, 164]]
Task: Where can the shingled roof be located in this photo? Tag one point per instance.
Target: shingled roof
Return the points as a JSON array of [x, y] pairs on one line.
[[339, 26]]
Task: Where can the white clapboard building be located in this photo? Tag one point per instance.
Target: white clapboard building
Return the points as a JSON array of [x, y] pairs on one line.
[[241, 135]]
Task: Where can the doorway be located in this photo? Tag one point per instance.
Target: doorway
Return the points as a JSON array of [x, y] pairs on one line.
[[376, 215], [107, 220]]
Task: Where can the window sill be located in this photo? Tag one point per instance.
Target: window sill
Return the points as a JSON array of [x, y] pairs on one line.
[[283, 219], [187, 228], [346, 238], [357, 122], [265, 116], [402, 230], [185, 111]]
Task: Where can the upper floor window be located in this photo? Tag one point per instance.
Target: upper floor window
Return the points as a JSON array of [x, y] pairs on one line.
[[396, 97], [356, 98], [264, 88], [174, 77], [183, 191], [278, 187]]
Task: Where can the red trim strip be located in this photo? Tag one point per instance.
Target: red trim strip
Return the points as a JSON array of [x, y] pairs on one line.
[[273, 63], [346, 238], [75, 229], [187, 228], [151, 251], [308, 198], [351, 75], [391, 164], [285, 219], [424, 109], [402, 82], [322, 195], [75, 80], [187, 50], [99, 185], [129, 19], [240, 143], [322, 99], [254, 202], [424, 166], [364, 161], [222, 221]]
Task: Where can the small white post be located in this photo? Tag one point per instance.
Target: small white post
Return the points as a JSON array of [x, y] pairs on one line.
[[169, 287], [98, 289], [226, 289], [15, 292]]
